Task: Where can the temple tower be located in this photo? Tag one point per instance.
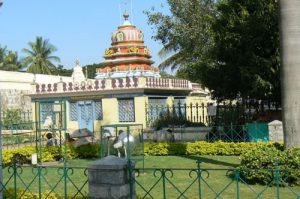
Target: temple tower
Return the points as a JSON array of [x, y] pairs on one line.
[[128, 56]]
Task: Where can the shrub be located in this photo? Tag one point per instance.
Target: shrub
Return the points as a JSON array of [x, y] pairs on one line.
[[24, 194], [257, 162], [203, 148], [12, 116], [167, 120], [87, 151], [23, 155]]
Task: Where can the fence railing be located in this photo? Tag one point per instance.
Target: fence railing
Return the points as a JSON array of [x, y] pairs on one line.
[[208, 114], [27, 134], [21, 181], [22, 116], [19, 135], [210, 183], [238, 133], [44, 182], [195, 113]]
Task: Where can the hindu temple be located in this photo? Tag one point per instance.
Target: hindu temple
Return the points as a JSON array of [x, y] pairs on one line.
[[125, 85]]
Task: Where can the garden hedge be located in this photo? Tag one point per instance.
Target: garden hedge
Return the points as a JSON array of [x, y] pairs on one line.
[[150, 149], [203, 148]]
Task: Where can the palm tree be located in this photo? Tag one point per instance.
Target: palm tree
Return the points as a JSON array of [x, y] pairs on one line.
[[10, 62], [171, 59], [39, 59], [3, 53], [290, 71]]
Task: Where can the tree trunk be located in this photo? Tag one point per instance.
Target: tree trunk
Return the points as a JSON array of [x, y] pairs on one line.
[[290, 70]]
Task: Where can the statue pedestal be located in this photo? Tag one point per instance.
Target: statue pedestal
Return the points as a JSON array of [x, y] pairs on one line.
[[109, 179]]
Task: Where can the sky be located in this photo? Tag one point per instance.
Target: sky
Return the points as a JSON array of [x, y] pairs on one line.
[[78, 29]]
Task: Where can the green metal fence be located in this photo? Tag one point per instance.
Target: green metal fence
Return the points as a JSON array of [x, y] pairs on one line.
[[209, 183], [21, 181], [24, 116], [252, 132], [19, 135], [44, 182]]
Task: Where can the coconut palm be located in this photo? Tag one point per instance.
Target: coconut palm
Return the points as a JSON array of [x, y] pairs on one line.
[[9, 60], [290, 71], [39, 59], [171, 59], [3, 53]]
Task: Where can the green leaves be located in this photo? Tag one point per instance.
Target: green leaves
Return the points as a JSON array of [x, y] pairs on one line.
[[184, 33], [256, 161], [232, 47], [39, 59], [9, 60]]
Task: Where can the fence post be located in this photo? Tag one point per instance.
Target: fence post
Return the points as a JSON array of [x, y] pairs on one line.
[[15, 177], [65, 180], [39, 167], [203, 114], [237, 178], [185, 115], [164, 182], [131, 181], [146, 114], [277, 179], [191, 110], [199, 179]]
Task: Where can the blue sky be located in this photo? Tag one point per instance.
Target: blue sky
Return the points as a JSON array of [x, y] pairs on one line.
[[79, 29]]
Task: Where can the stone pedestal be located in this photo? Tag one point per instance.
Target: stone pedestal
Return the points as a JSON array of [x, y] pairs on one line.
[[275, 131], [109, 179]]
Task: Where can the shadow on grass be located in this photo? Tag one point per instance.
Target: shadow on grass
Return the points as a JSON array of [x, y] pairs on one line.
[[212, 161]]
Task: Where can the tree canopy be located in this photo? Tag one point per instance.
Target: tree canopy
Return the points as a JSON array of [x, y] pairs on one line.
[[39, 57], [9, 60], [232, 47]]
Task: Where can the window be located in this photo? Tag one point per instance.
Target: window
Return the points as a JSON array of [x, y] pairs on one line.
[[157, 107], [98, 110], [73, 111], [126, 110], [46, 110]]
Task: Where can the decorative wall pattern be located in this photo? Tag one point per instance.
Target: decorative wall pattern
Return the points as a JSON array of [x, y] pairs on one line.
[[126, 110]]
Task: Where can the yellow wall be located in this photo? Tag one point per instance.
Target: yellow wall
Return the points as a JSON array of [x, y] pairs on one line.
[[111, 114], [140, 110], [170, 101]]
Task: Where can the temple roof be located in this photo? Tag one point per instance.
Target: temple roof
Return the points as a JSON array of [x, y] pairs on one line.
[[127, 52]]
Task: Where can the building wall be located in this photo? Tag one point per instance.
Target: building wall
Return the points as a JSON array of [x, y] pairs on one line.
[[15, 86], [111, 113]]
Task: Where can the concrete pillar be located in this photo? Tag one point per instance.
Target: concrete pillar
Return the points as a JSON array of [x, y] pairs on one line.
[[109, 179]]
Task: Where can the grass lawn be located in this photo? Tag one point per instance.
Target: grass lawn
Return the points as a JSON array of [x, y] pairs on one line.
[[181, 179]]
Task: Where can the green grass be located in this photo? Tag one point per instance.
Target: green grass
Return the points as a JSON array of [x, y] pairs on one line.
[[180, 180]]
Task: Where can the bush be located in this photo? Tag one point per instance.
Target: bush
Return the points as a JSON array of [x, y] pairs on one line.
[[87, 151], [167, 120], [24, 194], [203, 148], [12, 116], [257, 162], [23, 155]]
